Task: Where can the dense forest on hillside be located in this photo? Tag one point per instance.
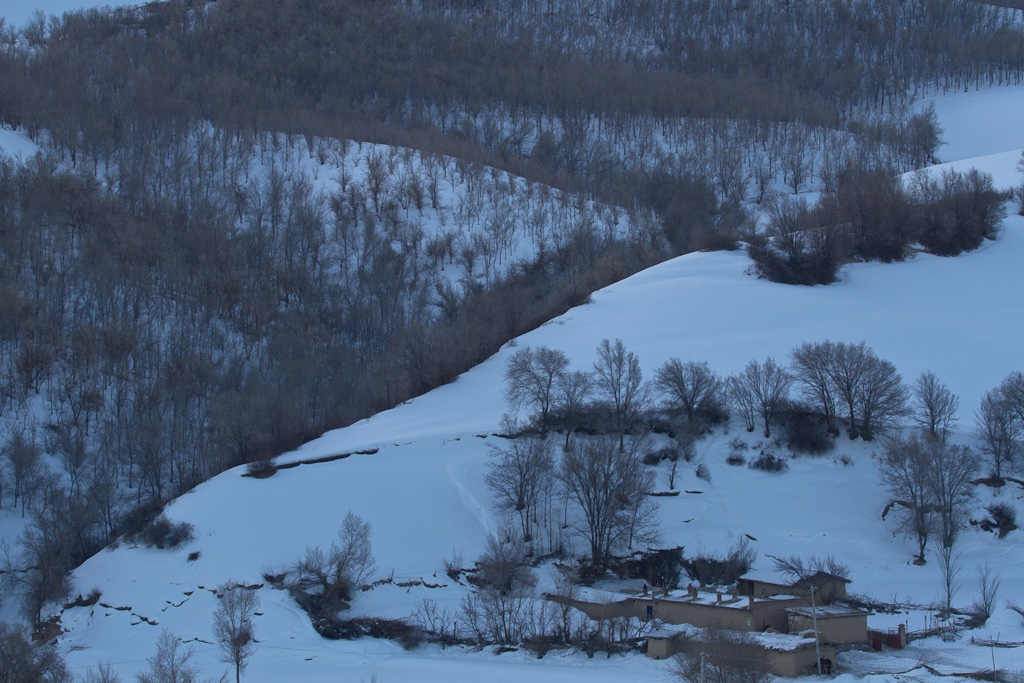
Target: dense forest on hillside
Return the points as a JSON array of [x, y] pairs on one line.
[[179, 298]]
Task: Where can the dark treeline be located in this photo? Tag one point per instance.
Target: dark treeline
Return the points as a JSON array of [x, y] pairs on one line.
[[549, 89], [166, 315]]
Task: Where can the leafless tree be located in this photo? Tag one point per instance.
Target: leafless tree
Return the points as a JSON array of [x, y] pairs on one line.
[[810, 366], [609, 486], [572, 394], [23, 662], [904, 468], [329, 575], [619, 380], [171, 663], [742, 398], [23, 455], [846, 370], [531, 377], [233, 627], [103, 673], [871, 388], [950, 471], [717, 656], [502, 607], [1012, 390], [519, 473], [988, 595], [936, 406], [762, 388], [882, 396], [800, 568], [691, 388], [1020, 189], [999, 431], [950, 565]]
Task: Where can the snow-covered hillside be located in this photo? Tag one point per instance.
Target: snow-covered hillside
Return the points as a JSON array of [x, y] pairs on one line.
[[422, 488]]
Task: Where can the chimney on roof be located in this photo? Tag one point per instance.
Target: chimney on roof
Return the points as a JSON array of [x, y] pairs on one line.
[[751, 602], [718, 597]]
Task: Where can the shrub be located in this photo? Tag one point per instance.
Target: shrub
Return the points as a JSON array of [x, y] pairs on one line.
[[713, 570], [769, 462], [136, 519], [261, 469], [736, 459], [703, 472], [658, 567], [1002, 517], [807, 432], [164, 534]]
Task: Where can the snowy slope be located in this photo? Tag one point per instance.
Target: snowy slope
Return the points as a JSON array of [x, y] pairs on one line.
[[962, 318], [423, 491]]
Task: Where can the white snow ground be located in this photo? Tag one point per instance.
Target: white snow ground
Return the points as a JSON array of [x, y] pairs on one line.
[[962, 318]]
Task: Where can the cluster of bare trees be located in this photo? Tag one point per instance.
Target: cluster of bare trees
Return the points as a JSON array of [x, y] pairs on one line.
[[871, 215], [999, 425], [597, 487], [718, 101], [613, 393], [506, 608], [931, 480], [836, 380]]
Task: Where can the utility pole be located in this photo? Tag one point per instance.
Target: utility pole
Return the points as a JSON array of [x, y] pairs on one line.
[[814, 617], [701, 667]]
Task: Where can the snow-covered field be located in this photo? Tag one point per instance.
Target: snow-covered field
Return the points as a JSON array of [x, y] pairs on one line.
[[961, 318]]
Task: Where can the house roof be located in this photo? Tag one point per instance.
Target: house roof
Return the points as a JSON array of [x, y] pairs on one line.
[[828, 611]]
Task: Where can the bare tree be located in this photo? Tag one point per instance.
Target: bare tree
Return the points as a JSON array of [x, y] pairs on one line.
[[502, 607], [950, 471], [988, 594], [1020, 189], [717, 656], [871, 388], [619, 380], [691, 388], [950, 565], [572, 394], [998, 430], [936, 406], [519, 473], [882, 396], [1012, 390], [232, 625], [904, 470], [810, 365], [609, 486], [23, 455], [846, 370], [743, 399], [531, 377], [103, 673], [22, 662], [326, 578], [762, 387], [171, 663], [799, 568]]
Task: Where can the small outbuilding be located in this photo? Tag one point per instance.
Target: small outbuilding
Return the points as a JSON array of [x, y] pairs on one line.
[[836, 624]]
